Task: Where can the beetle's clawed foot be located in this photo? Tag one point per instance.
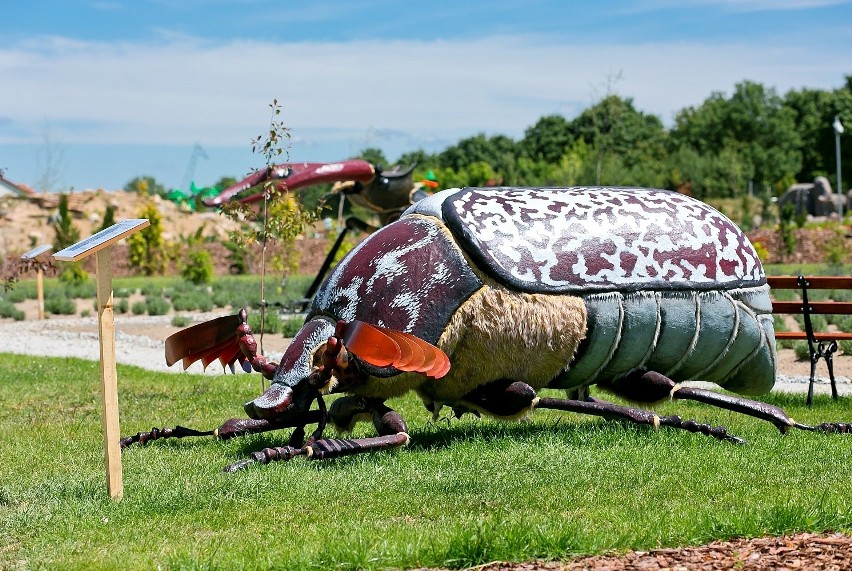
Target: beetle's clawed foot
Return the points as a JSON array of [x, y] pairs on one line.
[[266, 456], [717, 432], [833, 427]]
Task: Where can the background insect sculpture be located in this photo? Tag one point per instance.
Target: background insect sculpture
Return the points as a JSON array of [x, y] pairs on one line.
[[479, 298], [385, 192]]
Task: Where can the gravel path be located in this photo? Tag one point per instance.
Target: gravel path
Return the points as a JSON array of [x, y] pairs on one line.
[[139, 340]]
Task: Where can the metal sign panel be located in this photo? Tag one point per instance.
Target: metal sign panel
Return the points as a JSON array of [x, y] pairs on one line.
[[101, 240], [36, 252]]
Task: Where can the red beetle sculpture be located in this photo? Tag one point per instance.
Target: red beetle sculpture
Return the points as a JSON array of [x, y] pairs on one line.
[[477, 299]]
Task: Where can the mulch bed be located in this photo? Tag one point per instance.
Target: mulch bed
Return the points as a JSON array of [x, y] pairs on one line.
[[804, 551]]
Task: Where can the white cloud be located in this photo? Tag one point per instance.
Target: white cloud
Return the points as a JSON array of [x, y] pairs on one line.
[[187, 90]]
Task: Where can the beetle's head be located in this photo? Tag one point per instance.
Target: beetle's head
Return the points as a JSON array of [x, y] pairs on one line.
[[315, 362], [295, 384], [324, 357]]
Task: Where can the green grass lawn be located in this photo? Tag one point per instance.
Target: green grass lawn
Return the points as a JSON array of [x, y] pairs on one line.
[[462, 493]]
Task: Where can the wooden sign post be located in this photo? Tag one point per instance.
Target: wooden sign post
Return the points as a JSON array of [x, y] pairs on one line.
[[34, 254], [101, 244]]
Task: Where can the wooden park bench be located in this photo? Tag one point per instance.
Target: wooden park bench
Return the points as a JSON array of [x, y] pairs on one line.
[[821, 344]]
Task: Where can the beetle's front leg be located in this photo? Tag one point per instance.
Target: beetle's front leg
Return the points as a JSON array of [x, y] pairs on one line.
[[229, 429], [389, 424], [248, 346]]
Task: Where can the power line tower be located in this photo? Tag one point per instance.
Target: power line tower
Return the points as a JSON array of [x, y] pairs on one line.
[[197, 152]]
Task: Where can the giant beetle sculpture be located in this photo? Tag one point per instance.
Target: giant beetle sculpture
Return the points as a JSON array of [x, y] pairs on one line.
[[476, 299]]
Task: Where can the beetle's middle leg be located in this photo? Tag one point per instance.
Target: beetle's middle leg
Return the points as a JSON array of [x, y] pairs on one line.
[[614, 411], [651, 387]]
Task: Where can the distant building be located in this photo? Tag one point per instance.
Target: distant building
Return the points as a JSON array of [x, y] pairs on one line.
[[9, 188]]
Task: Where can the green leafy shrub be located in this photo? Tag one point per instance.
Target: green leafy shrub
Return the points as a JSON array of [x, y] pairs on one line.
[[835, 251], [845, 347], [73, 274], [19, 294], [786, 231], [8, 309], [272, 322], [147, 248], [221, 298], [60, 305], [152, 288], [66, 233], [761, 251], [818, 322], [198, 268], [746, 221], [237, 258], [139, 308], [121, 306], [157, 305], [291, 326], [802, 351], [122, 292], [180, 321]]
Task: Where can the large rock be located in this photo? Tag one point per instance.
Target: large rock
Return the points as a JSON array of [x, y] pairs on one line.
[[815, 198]]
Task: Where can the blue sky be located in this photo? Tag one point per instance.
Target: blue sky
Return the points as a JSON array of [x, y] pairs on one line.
[[96, 92]]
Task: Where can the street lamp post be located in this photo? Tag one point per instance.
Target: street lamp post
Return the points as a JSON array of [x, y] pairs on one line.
[[838, 130]]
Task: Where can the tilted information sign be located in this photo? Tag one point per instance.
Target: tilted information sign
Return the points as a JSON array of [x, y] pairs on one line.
[[36, 252], [100, 244]]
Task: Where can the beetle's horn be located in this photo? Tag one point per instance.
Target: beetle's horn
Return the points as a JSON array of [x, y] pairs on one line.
[[271, 404], [383, 347]]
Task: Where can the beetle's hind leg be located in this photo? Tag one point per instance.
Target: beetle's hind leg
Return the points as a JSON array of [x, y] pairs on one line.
[[614, 411], [512, 399], [393, 432], [651, 386]]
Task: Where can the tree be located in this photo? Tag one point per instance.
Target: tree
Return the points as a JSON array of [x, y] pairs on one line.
[[49, 158], [752, 136], [499, 151], [225, 182], [547, 140], [621, 136], [145, 185], [814, 114], [109, 217], [374, 155], [66, 233], [147, 252], [421, 158], [494, 150]]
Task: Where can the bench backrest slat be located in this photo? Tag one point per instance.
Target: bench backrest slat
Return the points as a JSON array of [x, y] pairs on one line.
[[822, 307], [814, 282]]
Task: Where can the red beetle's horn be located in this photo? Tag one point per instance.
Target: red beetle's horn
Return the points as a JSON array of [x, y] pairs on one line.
[[383, 347]]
